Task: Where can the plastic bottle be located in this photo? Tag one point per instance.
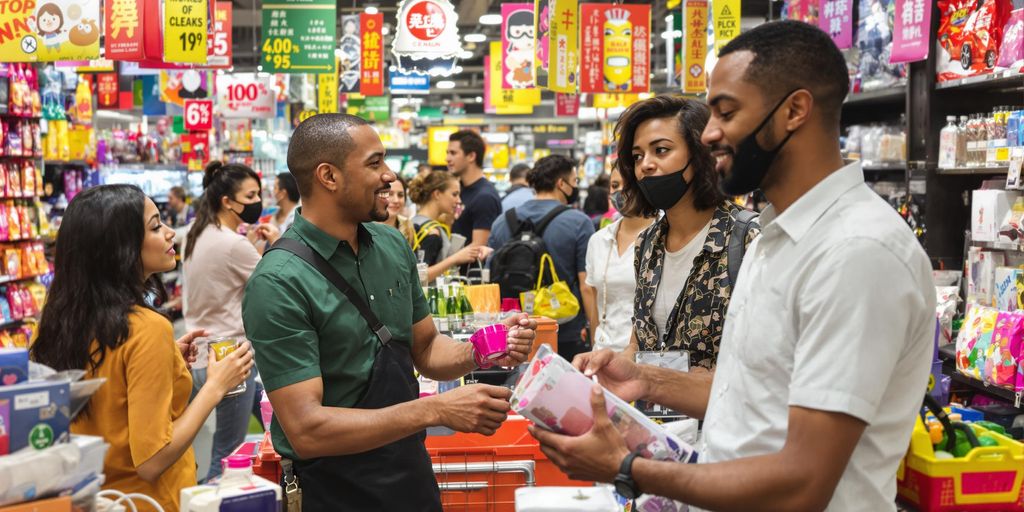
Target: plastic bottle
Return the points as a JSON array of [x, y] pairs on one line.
[[238, 488], [948, 143], [961, 142]]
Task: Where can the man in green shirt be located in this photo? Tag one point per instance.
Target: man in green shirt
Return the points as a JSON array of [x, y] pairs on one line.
[[345, 397]]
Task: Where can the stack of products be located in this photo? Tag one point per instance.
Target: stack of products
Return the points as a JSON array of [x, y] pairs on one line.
[[981, 140], [450, 308], [876, 144]]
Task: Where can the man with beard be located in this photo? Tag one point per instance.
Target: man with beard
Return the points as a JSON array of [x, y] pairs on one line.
[[338, 322], [828, 338]]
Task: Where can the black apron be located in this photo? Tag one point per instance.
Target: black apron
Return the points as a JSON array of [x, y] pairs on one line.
[[394, 477]]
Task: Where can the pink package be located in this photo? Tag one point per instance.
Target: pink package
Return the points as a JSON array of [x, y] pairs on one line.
[[1012, 49], [1003, 356]]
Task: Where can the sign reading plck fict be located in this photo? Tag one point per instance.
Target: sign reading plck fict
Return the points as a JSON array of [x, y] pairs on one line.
[[299, 36]]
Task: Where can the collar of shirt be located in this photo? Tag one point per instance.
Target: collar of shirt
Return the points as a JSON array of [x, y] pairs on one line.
[[325, 245], [806, 211]]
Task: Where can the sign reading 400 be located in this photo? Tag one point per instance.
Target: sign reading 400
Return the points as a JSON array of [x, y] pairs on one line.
[[299, 36]]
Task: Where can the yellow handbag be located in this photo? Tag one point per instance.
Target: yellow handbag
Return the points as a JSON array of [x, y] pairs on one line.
[[555, 301], [425, 231]]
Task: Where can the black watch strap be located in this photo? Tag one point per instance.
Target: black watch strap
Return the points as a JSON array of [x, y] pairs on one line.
[[625, 477]]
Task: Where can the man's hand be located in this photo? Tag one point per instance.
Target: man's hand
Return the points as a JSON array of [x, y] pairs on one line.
[[522, 332], [594, 456], [476, 408], [186, 344], [616, 372]]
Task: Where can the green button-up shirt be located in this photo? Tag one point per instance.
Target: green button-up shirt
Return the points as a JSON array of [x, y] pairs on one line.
[[301, 327]]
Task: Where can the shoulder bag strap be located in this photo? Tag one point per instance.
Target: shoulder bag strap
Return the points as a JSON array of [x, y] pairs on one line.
[[316, 261], [544, 221], [738, 242]]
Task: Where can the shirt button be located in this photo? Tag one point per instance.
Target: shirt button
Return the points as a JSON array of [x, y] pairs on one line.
[[371, 297]]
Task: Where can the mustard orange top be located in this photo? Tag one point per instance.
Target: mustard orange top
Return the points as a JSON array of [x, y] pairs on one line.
[[147, 388]]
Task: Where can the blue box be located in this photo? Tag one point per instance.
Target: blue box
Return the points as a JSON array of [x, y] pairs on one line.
[[38, 414], [13, 366]]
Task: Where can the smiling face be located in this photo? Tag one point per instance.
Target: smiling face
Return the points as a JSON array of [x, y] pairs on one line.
[[737, 107], [396, 199], [366, 179], [158, 243], [659, 149], [50, 20]]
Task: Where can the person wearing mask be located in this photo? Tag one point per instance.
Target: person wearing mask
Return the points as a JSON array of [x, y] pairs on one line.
[[793, 414], [110, 244], [286, 194], [566, 236], [177, 208], [346, 407], [610, 286], [216, 265], [682, 264], [480, 200], [435, 195], [397, 201], [519, 190]]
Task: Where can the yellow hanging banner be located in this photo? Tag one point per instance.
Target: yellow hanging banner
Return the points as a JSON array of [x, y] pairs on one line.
[[615, 100], [695, 24], [509, 101], [327, 92], [564, 47], [726, 15], [185, 31]]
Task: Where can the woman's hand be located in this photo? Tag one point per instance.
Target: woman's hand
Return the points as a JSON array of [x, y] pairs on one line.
[[186, 344], [232, 370], [268, 232], [467, 255]]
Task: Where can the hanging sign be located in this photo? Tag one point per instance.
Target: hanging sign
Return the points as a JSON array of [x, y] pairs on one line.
[[50, 30], [427, 38], [726, 14], [107, 90], [517, 46], [567, 105], [218, 51], [178, 86], [244, 96], [372, 108], [410, 83], [615, 100], [836, 19], [195, 149], [299, 36], [910, 32], [615, 47], [198, 115], [132, 30], [185, 31], [508, 101], [695, 21], [542, 36], [351, 55], [372, 79], [564, 48], [327, 93]]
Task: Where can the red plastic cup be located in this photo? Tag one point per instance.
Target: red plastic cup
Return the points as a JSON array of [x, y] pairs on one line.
[[491, 342], [509, 305]]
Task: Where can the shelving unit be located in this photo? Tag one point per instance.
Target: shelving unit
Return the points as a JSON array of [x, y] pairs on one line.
[[973, 171]]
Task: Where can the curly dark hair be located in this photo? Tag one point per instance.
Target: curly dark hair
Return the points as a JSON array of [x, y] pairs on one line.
[[692, 116], [548, 170]]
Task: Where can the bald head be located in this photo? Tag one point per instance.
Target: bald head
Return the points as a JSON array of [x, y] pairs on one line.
[[323, 138]]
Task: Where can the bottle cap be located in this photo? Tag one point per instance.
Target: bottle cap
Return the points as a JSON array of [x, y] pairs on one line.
[[237, 462]]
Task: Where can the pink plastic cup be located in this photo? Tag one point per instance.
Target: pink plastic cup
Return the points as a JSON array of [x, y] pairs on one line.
[[491, 342], [510, 305]]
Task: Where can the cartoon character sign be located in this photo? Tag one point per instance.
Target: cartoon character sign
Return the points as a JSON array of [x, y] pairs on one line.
[[50, 25], [85, 33], [519, 47], [618, 50]]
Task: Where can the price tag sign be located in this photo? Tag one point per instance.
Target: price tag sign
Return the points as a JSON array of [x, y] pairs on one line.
[[299, 36], [198, 115], [245, 96], [219, 45], [185, 31]]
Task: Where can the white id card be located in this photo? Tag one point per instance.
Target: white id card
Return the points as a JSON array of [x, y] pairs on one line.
[[678, 360]]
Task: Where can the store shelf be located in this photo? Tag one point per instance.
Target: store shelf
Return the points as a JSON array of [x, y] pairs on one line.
[[992, 81], [12, 323], [12, 279], [889, 95], [12, 116], [980, 171], [22, 157], [947, 354], [998, 246], [885, 168], [78, 163]]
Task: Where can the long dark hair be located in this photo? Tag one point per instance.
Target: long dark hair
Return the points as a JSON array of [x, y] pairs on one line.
[[219, 180], [98, 278], [692, 116]]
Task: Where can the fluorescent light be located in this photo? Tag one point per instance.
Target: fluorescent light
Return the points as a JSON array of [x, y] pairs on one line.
[[475, 38], [490, 19], [446, 84], [371, 10], [465, 55]]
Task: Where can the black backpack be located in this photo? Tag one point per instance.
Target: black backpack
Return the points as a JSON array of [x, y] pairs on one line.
[[515, 265]]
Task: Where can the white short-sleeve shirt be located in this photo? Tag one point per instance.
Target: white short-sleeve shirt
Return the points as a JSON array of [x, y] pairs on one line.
[[834, 311], [613, 276]]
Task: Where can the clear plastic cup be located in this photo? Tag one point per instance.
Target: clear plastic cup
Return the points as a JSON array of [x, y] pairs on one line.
[[221, 348]]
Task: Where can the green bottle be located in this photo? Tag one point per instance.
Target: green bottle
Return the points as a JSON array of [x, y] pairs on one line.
[[442, 317], [452, 308], [467, 310], [435, 311]]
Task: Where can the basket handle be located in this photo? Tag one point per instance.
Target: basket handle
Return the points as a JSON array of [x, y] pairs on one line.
[[988, 453]]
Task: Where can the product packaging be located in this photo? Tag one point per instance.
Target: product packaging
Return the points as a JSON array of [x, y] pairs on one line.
[[945, 309], [981, 275], [969, 35], [13, 366], [1011, 51], [874, 42], [1006, 288], [36, 414], [989, 208]]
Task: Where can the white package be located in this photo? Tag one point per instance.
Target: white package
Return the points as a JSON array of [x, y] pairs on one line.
[[566, 499], [988, 210]]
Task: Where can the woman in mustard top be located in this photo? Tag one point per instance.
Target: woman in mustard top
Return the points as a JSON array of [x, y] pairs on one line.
[[110, 244]]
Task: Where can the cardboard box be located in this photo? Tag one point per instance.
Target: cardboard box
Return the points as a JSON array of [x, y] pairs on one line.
[[62, 504], [13, 366], [35, 414], [988, 210], [1006, 288]]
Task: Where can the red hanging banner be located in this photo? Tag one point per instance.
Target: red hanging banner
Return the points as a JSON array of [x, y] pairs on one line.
[[567, 105], [615, 48], [107, 90], [372, 75], [218, 54]]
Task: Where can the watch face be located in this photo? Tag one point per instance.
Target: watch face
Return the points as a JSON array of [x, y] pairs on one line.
[[624, 487]]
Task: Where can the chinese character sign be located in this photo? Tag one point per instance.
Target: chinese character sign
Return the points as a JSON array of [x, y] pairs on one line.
[[327, 93], [123, 29], [372, 81], [567, 105], [427, 37], [695, 16], [836, 18], [726, 14], [564, 51], [49, 30], [107, 90], [910, 33], [350, 45], [299, 36], [615, 49], [517, 45]]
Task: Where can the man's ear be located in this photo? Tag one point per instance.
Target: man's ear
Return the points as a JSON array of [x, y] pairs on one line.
[[328, 176]]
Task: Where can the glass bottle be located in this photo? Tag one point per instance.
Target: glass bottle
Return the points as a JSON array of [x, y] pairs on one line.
[[452, 310], [961, 143]]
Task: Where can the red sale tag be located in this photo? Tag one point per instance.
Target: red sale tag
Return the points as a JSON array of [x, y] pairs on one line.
[[198, 115]]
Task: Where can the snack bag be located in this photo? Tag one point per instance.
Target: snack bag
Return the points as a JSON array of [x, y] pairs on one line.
[[12, 143], [28, 229], [1011, 51], [13, 222], [1004, 354], [945, 309], [969, 35], [12, 263], [14, 298], [974, 340]]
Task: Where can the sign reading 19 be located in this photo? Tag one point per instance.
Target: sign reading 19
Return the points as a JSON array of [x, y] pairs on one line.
[[190, 40], [278, 51]]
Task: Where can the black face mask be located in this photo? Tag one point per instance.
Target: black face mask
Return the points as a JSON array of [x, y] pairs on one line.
[[750, 162], [573, 196], [618, 201], [250, 212], [663, 192]]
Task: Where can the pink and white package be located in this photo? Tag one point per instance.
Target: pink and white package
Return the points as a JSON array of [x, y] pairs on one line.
[[1011, 52]]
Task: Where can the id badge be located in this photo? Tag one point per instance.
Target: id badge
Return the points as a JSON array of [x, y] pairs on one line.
[[678, 360]]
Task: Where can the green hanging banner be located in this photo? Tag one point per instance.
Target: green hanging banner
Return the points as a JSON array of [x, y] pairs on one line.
[[299, 36]]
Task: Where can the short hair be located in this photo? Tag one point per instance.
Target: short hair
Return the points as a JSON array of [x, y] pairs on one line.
[[287, 182], [548, 170], [421, 189], [518, 172], [178, 192], [470, 142], [692, 116], [791, 55], [322, 138]]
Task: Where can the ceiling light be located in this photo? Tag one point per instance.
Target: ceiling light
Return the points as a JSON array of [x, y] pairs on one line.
[[479, 99], [385, 30], [465, 55], [371, 10], [475, 38], [490, 19], [446, 84]]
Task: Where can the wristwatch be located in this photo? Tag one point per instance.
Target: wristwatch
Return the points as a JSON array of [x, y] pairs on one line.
[[624, 483]]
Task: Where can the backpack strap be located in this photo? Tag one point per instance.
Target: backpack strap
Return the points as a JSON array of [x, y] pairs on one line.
[[741, 221], [513, 222], [545, 220]]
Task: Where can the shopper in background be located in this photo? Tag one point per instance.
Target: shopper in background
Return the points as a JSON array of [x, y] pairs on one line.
[[519, 190], [830, 333], [286, 194], [424, 168], [597, 204], [217, 264], [610, 286], [481, 202], [177, 208], [345, 400], [566, 237], [397, 201], [436, 194], [97, 319], [683, 261]]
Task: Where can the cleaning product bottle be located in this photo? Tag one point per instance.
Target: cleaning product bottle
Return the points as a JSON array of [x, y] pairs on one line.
[[238, 489]]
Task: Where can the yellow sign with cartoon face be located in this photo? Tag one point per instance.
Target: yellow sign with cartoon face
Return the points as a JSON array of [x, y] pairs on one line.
[[49, 30], [618, 50]]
